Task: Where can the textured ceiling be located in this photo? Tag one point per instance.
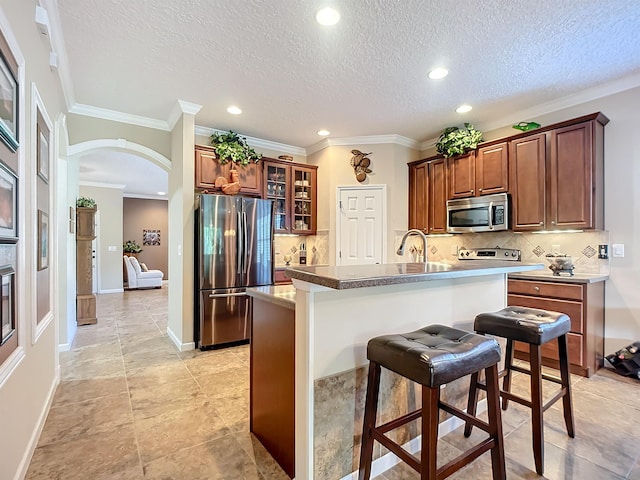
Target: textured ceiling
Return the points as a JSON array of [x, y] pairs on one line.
[[365, 76]]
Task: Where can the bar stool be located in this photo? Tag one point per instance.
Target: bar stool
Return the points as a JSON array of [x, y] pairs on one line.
[[433, 356], [534, 327]]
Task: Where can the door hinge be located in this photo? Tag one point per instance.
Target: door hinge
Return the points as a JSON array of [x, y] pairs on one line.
[[340, 254]]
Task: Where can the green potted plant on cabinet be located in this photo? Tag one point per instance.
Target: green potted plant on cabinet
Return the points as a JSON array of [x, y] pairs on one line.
[[458, 141], [231, 147]]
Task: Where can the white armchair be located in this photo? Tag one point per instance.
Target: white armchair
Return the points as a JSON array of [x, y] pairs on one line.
[[138, 278]]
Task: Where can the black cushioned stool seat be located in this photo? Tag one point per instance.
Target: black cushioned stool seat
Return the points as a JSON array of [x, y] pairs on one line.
[[534, 327], [433, 356]]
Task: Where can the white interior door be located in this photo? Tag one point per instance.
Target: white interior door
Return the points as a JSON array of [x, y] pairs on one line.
[[361, 225]]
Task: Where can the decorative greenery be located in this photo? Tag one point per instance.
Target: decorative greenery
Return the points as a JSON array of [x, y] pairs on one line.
[[232, 147], [131, 246], [457, 141], [85, 202]]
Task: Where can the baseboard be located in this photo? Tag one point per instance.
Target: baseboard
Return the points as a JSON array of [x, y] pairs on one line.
[[64, 347], [183, 347], [112, 290], [413, 446], [35, 436]]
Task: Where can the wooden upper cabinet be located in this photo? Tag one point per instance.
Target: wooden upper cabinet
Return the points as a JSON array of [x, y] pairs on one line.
[[207, 169], [419, 196], [527, 170], [438, 196], [293, 188], [491, 169], [571, 185], [557, 177], [428, 189], [480, 172], [462, 176]]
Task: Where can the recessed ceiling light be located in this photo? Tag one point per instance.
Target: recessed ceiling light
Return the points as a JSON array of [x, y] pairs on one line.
[[323, 133], [233, 110], [438, 73], [162, 193], [464, 108], [327, 16]]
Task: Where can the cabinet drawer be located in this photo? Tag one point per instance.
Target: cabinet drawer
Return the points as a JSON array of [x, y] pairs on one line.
[[281, 278], [550, 349], [573, 309], [546, 289]]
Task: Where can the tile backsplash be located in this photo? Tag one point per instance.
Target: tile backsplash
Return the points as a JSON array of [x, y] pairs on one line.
[[581, 246], [317, 248]]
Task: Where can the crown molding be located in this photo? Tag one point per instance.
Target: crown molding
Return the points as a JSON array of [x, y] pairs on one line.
[[366, 140], [255, 142], [105, 114], [583, 96], [115, 186], [181, 107], [594, 93], [143, 196]]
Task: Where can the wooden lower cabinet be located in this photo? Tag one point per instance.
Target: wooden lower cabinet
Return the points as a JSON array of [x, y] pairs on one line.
[[281, 278], [272, 381], [583, 302]]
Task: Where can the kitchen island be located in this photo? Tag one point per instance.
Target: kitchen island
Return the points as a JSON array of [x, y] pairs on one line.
[[337, 310]]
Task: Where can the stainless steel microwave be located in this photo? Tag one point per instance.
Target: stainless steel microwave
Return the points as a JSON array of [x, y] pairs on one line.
[[489, 213]]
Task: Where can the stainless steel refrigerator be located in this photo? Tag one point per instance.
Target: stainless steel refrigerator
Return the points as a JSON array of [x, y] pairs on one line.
[[234, 250]]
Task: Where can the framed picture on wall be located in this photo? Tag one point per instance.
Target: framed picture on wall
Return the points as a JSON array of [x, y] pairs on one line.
[[7, 303], [43, 154], [8, 206], [8, 106], [43, 240]]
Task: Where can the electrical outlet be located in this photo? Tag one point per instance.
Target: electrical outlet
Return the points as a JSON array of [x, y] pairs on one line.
[[603, 251]]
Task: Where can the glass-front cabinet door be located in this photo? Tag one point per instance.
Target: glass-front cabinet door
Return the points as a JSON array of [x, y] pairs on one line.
[[292, 187], [277, 179], [304, 200]]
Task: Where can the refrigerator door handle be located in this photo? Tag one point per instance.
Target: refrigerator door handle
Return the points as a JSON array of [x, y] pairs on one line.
[[245, 246], [239, 243], [225, 295]]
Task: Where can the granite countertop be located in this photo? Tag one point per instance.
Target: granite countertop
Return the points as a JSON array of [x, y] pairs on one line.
[[359, 276], [548, 276], [283, 295]]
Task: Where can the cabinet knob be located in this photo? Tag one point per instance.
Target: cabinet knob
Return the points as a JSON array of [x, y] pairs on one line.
[[537, 289], [541, 223], [471, 191], [553, 222], [478, 190]]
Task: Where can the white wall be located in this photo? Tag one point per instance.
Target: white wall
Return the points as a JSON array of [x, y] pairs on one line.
[[389, 167], [109, 215], [27, 382]]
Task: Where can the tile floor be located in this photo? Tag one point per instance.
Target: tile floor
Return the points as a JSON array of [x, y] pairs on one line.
[[129, 406]]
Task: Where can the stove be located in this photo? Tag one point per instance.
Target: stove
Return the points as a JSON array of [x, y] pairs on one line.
[[504, 254]]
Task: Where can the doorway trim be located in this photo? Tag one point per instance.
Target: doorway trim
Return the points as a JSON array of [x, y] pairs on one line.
[[342, 188]]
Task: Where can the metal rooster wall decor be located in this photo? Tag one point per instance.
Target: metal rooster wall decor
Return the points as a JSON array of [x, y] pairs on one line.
[[360, 164]]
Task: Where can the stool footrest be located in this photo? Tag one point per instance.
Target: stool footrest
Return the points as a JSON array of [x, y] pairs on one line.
[[526, 371], [396, 449], [476, 422], [398, 422], [445, 470]]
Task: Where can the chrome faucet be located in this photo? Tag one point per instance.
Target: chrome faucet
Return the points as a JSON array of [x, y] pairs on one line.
[[414, 231]]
